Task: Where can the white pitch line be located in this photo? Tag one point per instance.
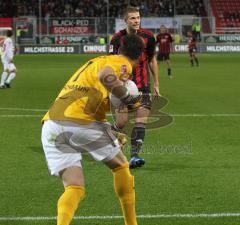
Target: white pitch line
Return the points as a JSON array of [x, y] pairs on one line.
[[195, 115], [173, 115], [4, 116], [152, 115], [206, 115], [176, 115], [24, 109], [147, 216]]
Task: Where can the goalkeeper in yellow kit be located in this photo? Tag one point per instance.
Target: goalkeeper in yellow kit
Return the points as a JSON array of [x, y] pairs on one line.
[[76, 124]]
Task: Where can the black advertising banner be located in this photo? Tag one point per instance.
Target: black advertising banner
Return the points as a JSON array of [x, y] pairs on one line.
[[204, 48], [103, 49], [72, 26], [49, 49], [224, 38]]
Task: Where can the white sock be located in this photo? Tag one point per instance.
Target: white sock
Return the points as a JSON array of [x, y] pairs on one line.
[[11, 77], [4, 77]]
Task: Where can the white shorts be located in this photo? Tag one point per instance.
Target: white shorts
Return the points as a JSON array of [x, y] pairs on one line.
[[8, 66], [64, 143]]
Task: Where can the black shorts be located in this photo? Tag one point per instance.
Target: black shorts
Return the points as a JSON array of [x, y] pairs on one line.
[[192, 50], [146, 97], [163, 56]]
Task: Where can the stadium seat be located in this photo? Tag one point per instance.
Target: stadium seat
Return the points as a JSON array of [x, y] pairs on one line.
[[226, 13]]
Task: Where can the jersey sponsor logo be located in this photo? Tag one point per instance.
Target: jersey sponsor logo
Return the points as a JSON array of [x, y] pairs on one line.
[[110, 48], [123, 69]]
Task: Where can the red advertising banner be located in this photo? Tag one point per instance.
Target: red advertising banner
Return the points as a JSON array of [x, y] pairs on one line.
[[72, 26], [70, 30], [6, 22]]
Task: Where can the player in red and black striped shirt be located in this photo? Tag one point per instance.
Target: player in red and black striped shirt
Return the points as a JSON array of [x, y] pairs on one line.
[[164, 41], [192, 48], [141, 77]]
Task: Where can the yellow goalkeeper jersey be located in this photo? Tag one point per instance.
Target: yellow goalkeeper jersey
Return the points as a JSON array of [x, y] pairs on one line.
[[84, 99]]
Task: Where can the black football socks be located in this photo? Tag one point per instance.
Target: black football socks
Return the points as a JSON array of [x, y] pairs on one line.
[[138, 134]]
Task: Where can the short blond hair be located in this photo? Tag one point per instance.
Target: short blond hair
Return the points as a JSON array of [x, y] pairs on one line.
[[130, 9]]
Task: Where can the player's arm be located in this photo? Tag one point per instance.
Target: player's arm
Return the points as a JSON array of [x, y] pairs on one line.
[[15, 50], [112, 83], [171, 39], [153, 65], [194, 41], [157, 39], [114, 45], [115, 86], [4, 48], [154, 70]]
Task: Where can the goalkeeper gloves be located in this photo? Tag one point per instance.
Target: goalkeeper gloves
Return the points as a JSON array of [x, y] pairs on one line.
[[130, 103], [122, 138]]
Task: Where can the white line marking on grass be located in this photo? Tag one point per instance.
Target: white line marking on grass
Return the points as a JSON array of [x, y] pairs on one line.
[[173, 115], [147, 216], [152, 115], [24, 109], [207, 115], [21, 116], [196, 115]]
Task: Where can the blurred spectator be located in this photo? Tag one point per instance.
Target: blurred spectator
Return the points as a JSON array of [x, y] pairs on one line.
[[190, 7], [196, 31], [98, 8]]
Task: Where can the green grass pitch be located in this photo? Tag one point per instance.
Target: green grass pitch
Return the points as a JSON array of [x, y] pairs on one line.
[[192, 165]]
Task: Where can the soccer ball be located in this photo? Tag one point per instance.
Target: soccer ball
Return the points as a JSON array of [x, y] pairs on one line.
[[132, 88]]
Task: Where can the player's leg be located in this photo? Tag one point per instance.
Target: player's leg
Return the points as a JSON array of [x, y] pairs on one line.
[[159, 58], [137, 137], [195, 58], [199, 36], [3, 79], [169, 69], [68, 202], [65, 162], [105, 147], [168, 63], [191, 57], [124, 187], [138, 132], [12, 75], [4, 74]]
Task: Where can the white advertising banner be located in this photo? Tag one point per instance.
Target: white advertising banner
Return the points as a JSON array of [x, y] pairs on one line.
[[156, 22], [152, 23]]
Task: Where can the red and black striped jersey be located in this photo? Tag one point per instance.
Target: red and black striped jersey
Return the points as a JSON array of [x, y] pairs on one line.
[[141, 74], [164, 41], [192, 43]]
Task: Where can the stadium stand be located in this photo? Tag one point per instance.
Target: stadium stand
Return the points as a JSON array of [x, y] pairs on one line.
[[190, 7], [90, 8], [227, 14]]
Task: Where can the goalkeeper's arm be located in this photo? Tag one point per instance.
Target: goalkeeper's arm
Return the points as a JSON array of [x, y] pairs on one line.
[[111, 82]]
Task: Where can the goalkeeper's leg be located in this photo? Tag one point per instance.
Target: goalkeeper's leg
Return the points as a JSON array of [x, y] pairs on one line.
[[73, 182], [124, 187]]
